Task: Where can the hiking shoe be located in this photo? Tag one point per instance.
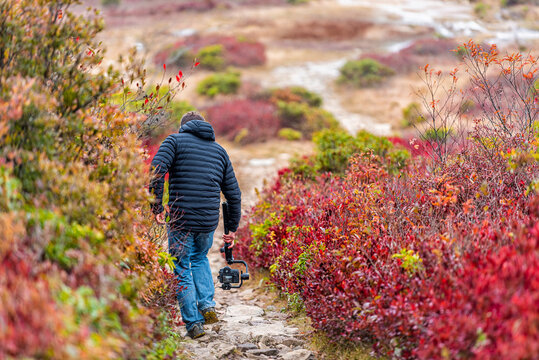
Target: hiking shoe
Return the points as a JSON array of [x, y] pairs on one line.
[[209, 315], [196, 331]]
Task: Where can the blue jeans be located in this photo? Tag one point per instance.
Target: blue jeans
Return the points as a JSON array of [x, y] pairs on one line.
[[192, 268]]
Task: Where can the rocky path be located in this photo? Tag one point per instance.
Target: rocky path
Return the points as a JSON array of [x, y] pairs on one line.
[[248, 329]]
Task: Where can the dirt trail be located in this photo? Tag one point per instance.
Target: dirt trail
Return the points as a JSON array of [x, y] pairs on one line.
[[248, 328]]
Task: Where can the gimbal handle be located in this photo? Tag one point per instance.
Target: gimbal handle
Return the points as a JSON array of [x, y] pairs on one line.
[[227, 249]]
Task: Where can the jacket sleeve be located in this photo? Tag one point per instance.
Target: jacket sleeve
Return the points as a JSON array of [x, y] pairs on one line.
[[161, 164], [231, 190]]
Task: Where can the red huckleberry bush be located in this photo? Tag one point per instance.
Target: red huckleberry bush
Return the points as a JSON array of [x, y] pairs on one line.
[[244, 120], [433, 257]]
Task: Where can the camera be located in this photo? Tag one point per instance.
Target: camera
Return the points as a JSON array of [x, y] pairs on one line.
[[228, 276]]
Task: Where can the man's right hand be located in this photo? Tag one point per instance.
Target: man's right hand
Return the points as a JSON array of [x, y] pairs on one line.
[[229, 238], [160, 218]]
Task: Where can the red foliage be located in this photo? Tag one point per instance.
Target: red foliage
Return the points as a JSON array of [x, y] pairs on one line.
[[488, 309], [430, 47], [257, 117], [400, 62], [137, 8], [416, 147], [235, 52], [29, 317], [243, 54], [333, 241], [416, 54]]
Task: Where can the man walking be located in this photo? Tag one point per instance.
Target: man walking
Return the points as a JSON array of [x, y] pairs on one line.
[[199, 169]]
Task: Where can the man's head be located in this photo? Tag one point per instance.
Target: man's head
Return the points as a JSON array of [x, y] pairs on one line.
[[191, 115]]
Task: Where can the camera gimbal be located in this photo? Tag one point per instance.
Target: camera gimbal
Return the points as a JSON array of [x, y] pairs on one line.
[[228, 276]]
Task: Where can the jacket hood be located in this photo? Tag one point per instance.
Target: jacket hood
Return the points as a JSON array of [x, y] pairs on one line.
[[199, 128]]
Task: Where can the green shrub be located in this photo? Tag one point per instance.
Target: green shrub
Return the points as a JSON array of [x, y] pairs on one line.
[[211, 57], [167, 348], [289, 134], [296, 94], [481, 9], [437, 135], [242, 136], [467, 105], [304, 118], [178, 108], [110, 2], [412, 115], [365, 72], [309, 97], [334, 149], [220, 83], [181, 57]]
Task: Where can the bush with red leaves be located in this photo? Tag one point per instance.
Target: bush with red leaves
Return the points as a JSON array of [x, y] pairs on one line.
[[488, 309], [411, 57], [430, 47], [244, 120], [27, 308], [437, 261], [382, 259]]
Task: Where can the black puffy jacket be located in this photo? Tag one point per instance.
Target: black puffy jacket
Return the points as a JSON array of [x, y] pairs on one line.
[[199, 169]]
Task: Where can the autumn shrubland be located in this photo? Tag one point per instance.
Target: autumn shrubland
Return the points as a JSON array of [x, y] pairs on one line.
[[214, 52], [83, 274], [429, 256], [423, 248], [260, 115]]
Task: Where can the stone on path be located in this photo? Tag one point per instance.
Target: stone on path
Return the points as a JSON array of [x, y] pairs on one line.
[[267, 352], [292, 342], [244, 310], [224, 350], [269, 341], [300, 354], [246, 347]]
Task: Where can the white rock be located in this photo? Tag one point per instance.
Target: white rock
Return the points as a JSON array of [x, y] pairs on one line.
[[260, 329], [236, 337], [268, 341], [244, 310], [291, 342], [262, 162], [224, 350], [300, 354]]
